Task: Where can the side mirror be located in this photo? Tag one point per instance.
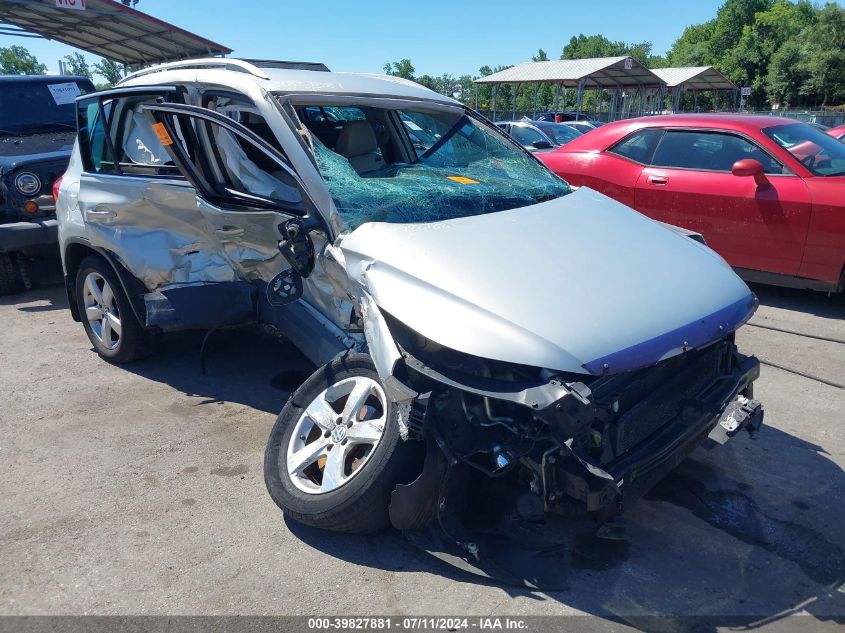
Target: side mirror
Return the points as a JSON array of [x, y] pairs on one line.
[[297, 247], [541, 144], [750, 167]]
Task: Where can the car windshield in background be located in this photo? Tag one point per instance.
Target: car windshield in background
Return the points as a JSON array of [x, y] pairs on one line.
[[30, 107], [561, 133], [821, 154], [462, 168]]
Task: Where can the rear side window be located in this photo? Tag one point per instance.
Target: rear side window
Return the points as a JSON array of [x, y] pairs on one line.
[[526, 135], [115, 136], [639, 147], [94, 144], [709, 151]]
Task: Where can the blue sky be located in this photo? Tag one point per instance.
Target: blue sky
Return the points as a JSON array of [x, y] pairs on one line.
[[437, 35]]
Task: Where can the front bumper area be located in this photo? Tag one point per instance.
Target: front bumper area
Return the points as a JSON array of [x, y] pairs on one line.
[[17, 236], [520, 523], [718, 414]]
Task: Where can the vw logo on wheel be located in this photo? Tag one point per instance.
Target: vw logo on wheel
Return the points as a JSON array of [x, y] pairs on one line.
[[338, 434]]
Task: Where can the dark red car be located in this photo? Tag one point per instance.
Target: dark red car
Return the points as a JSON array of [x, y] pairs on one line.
[[837, 132], [767, 193]]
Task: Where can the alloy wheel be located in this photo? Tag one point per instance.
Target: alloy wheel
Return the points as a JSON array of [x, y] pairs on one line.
[[101, 310], [336, 435]]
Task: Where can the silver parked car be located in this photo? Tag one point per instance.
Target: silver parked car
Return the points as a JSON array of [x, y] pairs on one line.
[[539, 135], [476, 322]]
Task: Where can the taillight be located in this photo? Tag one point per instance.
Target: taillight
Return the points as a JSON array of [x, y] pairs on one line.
[[56, 185]]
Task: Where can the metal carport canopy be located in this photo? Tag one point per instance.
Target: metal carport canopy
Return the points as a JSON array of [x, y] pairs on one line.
[[604, 72], [695, 77], [109, 29]]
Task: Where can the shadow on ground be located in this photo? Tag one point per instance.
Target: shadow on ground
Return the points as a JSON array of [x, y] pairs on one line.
[[702, 548], [245, 365], [807, 301]]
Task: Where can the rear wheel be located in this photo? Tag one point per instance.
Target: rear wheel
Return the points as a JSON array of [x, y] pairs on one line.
[[335, 454], [107, 317]]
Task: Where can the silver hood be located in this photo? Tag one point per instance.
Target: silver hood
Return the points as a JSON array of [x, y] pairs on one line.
[[581, 284]]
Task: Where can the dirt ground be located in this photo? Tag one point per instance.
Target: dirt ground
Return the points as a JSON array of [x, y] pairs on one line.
[[139, 490]]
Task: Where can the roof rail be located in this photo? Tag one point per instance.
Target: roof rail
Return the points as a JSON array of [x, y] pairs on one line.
[[208, 63], [288, 65]]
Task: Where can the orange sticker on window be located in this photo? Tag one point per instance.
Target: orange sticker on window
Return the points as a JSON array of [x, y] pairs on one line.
[[161, 133], [463, 180]]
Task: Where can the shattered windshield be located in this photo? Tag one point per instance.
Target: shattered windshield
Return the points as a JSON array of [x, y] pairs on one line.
[[415, 165]]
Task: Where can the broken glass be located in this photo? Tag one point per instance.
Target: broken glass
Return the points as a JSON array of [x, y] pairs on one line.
[[462, 168]]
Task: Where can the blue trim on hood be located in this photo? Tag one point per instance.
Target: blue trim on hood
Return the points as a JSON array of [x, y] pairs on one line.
[[690, 336]]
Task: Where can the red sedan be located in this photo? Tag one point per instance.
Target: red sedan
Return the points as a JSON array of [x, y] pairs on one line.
[[837, 132], [768, 194]]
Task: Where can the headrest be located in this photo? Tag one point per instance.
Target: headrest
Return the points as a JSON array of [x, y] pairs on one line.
[[356, 138]]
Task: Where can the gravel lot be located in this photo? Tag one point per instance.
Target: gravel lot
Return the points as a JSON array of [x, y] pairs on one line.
[[139, 490]]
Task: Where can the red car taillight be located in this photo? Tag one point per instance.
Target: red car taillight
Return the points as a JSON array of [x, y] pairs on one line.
[[56, 185]]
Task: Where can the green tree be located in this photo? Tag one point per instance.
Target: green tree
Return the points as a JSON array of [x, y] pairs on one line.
[[730, 20], [403, 68], [786, 75], [77, 65], [16, 60], [823, 55], [584, 46], [111, 71], [693, 47]]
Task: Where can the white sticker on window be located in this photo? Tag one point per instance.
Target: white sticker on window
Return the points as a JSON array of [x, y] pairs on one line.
[[64, 94]]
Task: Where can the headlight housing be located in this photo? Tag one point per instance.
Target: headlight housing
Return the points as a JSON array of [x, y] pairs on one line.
[[27, 183]]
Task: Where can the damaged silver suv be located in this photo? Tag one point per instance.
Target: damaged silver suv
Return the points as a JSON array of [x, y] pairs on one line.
[[479, 325]]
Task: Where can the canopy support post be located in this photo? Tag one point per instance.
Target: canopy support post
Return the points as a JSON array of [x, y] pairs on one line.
[[536, 88], [580, 98], [557, 96], [611, 116], [495, 90], [513, 102]]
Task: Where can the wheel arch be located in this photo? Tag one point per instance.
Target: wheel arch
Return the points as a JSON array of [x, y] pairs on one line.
[[76, 250]]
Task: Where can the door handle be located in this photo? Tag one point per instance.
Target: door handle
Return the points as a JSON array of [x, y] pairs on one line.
[[658, 180], [230, 231], [100, 212]]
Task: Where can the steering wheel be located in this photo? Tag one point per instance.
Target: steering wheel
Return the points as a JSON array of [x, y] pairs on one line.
[[808, 161]]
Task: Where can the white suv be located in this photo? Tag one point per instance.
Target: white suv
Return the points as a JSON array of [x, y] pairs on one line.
[[461, 301]]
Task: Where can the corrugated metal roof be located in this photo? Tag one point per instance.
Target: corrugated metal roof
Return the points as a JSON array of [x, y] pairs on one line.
[[698, 77], [607, 72], [109, 29]]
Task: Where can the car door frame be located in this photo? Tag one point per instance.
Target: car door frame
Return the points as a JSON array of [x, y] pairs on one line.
[[117, 194]]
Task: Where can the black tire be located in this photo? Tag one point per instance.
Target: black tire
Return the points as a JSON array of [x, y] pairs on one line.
[[134, 341], [13, 275], [360, 505]]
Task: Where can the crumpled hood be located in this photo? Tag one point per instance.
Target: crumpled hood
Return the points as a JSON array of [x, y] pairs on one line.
[[580, 283]]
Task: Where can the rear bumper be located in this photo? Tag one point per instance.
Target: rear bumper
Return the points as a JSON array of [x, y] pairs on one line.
[[18, 236]]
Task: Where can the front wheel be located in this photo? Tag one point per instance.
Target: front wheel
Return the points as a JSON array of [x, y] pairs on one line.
[[335, 453]]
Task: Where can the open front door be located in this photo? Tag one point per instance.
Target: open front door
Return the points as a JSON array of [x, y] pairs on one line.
[[248, 194]]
